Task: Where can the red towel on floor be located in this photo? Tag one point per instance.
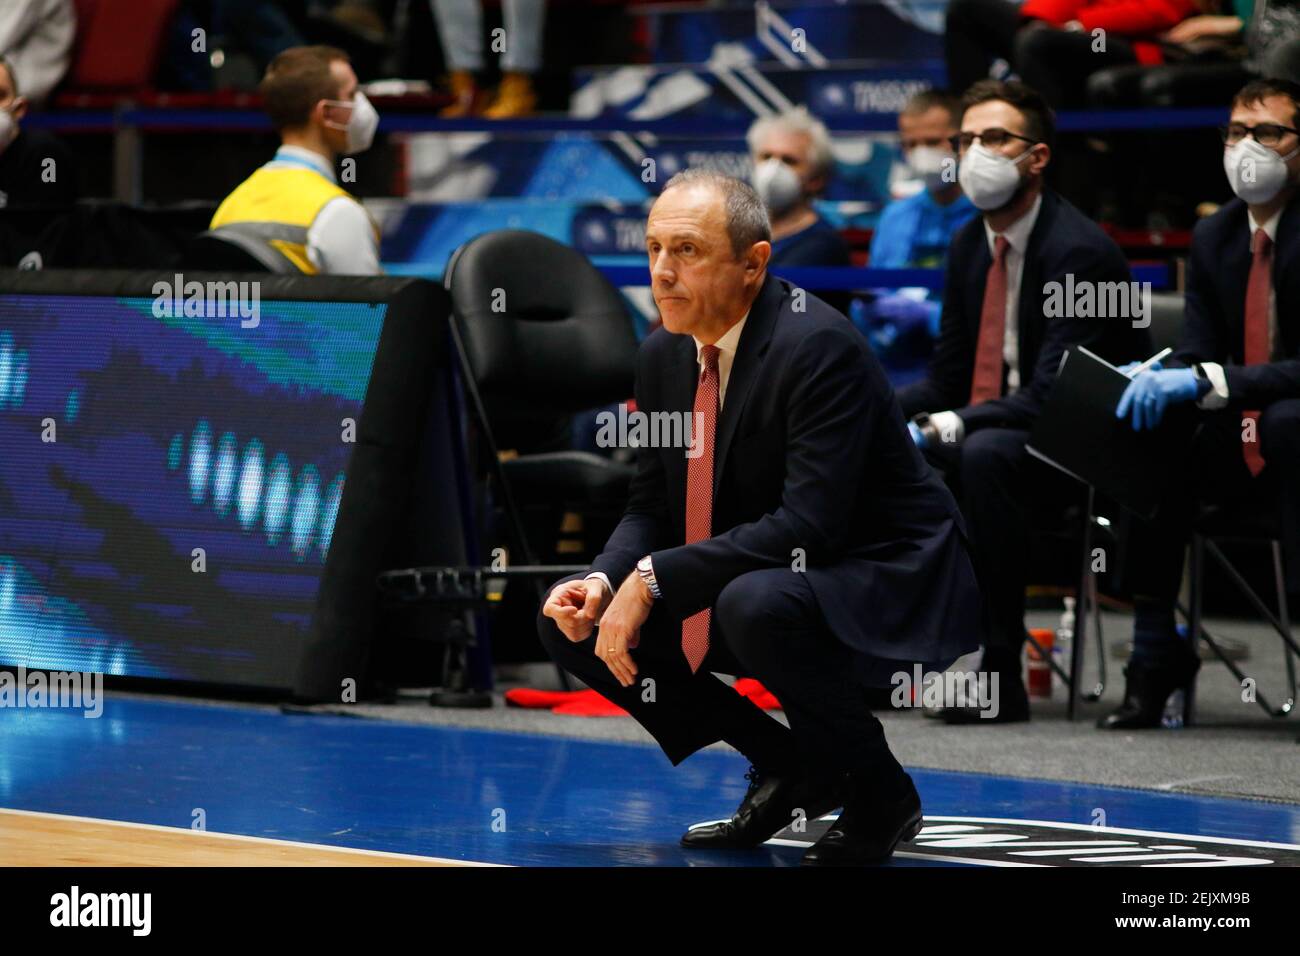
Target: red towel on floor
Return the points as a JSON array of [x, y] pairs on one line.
[[588, 703]]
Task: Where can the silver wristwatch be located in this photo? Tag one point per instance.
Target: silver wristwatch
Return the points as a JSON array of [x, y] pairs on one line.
[[646, 569]]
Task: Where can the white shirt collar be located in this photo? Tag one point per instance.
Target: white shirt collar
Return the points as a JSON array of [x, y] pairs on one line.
[[1269, 227], [1017, 234], [726, 345], [299, 155]]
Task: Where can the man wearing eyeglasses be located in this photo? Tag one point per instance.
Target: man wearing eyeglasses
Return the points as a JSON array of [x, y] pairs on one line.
[[1000, 344], [1239, 364]]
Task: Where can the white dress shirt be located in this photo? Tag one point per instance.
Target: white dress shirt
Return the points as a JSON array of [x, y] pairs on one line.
[[1017, 235], [727, 346], [726, 356], [341, 239], [1217, 396]]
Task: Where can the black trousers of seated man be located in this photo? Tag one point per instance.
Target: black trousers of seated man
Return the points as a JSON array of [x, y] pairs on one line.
[[1214, 472], [766, 624], [1004, 492]]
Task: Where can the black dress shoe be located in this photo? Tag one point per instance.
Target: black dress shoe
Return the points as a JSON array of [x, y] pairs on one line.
[[1013, 705], [1146, 688], [768, 808], [868, 831]]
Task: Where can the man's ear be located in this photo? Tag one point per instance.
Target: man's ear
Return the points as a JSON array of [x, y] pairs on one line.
[[19, 108], [1038, 162], [757, 257], [318, 114]]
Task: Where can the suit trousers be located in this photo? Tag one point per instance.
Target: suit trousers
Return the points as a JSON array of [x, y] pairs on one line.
[[766, 625]]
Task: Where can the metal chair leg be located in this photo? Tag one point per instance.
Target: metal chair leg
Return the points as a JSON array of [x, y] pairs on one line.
[[1099, 687], [1195, 631], [1082, 591], [1280, 623], [1279, 582]]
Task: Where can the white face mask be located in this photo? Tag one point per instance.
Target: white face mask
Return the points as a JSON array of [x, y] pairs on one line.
[[928, 163], [361, 125], [988, 178], [777, 185], [1255, 172]]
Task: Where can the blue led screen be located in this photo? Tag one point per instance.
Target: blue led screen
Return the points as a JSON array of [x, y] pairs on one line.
[[169, 484]]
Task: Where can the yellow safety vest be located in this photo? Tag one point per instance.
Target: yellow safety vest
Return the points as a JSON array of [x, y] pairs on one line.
[[277, 205]]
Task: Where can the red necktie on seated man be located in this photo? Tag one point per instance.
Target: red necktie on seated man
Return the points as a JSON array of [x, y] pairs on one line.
[[1259, 284], [986, 382], [699, 496]]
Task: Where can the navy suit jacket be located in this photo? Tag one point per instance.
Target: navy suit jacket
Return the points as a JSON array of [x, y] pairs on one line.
[[1063, 241], [1214, 327], [812, 453]]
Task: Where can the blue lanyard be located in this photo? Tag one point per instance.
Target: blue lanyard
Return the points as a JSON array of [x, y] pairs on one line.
[[298, 161]]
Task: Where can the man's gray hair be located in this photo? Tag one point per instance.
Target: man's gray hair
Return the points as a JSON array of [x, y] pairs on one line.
[[747, 221], [797, 120]]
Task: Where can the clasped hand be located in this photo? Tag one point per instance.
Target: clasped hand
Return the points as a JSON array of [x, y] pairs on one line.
[[579, 606]]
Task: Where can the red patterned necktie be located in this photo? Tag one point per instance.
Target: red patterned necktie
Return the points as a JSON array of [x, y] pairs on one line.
[[1258, 286], [699, 495], [986, 383]]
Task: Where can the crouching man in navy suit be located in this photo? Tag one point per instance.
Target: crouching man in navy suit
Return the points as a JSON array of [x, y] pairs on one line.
[[800, 540]]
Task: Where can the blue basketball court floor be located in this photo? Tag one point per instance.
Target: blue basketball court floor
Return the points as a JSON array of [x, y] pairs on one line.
[[472, 796]]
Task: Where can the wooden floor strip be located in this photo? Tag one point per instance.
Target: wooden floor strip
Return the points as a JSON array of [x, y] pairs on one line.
[[28, 838]]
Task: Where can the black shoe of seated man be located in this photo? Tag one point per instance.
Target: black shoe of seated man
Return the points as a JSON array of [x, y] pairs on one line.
[[1147, 687], [768, 808], [1012, 702], [868, 830]]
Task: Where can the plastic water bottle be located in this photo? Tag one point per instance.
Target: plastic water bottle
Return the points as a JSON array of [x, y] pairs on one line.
[[1173, 715], [1061, 647]]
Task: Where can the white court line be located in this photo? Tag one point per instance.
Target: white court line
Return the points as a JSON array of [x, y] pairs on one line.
[[1091, 828]]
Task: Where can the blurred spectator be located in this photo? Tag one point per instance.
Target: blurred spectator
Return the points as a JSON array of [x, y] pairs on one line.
[[792, 159], [242, 38], [1054, 45], [914, 233], [460, 28], [294, 204], [36, 38], [36, 169], [792, 164], [1210, 57], [1157, 180]]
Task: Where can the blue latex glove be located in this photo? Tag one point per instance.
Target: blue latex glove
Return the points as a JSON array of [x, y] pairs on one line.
[[1154, 366], [893, 316], [902, 311], [916, 434], [1148, 395]]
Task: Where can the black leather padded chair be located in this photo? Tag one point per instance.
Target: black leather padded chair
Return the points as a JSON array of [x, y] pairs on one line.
[[213, 252], [542, 336]]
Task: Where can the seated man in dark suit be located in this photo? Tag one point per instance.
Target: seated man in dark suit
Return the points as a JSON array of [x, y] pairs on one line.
[[796, 537], [1239, 362], [1000, 343]]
